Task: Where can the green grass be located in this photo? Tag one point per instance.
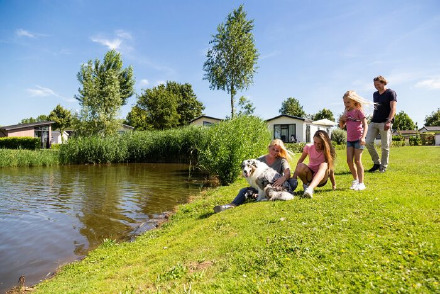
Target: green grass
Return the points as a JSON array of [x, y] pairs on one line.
[[383, 239], [21, 157]]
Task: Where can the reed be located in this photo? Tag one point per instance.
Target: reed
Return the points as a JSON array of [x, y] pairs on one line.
[[19, 157]]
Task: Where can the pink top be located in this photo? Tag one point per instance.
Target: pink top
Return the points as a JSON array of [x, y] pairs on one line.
[[354, 124], [315, 157]]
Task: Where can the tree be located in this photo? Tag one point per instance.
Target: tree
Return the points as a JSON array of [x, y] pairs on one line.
[[402, 121], [291, 106], [41, 117], [105, 88], [245, 106], [324, 113], [137, 118], [62, 118], [433, 119], [231, 62]]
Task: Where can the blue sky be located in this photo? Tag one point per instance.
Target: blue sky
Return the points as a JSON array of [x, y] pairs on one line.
[[310, 50]]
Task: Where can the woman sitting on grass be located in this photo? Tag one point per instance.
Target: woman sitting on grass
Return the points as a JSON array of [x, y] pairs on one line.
[[321, 157], [276, 159]]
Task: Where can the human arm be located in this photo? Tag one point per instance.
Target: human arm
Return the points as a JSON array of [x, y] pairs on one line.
[[332, 179], [283, 178], [342, 120], [393, 106], [365, 128]]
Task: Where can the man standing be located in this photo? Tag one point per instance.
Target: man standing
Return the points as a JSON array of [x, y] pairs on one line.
[[383, 117]]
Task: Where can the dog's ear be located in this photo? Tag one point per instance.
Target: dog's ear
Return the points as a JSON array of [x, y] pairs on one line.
[[254, 163]]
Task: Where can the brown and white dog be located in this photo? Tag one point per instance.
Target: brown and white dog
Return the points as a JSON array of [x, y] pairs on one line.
[[260, 176]]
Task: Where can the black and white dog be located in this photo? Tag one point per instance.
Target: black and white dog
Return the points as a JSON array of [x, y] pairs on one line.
[[261, 177]]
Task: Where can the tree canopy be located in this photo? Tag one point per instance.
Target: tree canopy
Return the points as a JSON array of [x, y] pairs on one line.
[[433, 119], [231, 62], [324, 113], [62, 119], [164, 107], [41, 117], [291, 106], [105, 88], [402, 121]]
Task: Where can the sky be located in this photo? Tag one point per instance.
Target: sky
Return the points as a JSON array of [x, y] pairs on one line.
[[313, 51]]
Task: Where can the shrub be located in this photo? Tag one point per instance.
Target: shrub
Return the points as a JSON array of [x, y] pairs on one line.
[[29, 143], [427, 138], [339, 136], [228, 143], [415, 140]]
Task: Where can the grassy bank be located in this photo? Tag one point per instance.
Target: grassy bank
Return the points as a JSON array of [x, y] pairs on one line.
[[20, 157], [383, 239]]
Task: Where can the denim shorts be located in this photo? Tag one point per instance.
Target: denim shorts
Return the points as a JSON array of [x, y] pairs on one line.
[[355, 144]]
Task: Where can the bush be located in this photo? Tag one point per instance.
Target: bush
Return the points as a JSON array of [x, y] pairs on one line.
[[339, 136], [427, 138], [29, 143], [398, 138], [296, 148], [228, 143], [415, 140]]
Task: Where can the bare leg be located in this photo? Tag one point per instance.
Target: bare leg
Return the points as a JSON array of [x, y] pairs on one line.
[[351, 166]]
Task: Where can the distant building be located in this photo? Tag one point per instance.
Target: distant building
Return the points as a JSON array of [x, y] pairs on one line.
[[205, 120], [40, 130]]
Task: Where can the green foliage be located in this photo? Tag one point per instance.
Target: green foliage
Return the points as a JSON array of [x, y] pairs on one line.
[[398, 137], [30, 143], [402, 121], [63, 119], [39, 118], [339, 136], [296, 148], [433, 119], [231, 62], [324, 113], [245, 106], [22, 158], [415, 140], [165, 107], [230, 142], [105, 88], [291, 106], [427, 138]]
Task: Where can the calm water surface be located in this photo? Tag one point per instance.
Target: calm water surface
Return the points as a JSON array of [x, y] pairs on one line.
[[53, 215]]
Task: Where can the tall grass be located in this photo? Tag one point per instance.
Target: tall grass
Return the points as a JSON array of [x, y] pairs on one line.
[[19, 157], [229, 142]]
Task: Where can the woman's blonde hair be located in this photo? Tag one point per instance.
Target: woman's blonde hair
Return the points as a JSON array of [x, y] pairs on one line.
[[329, 150], [284, 153]]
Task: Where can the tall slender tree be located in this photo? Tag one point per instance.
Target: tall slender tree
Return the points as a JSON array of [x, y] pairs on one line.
[[231, 62]]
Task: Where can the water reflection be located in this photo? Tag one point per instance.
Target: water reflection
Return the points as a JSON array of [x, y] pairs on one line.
[[49, 216]]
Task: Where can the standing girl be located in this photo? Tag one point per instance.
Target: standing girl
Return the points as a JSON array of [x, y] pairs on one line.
[[321, 164], [356, 122]]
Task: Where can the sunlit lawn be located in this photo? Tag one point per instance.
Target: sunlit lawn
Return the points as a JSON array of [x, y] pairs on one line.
[[383, 239]]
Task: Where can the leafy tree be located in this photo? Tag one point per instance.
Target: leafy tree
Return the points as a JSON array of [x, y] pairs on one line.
[[291, 106], [402, 121], [339, 136], [433, 119], [41, 117], [105, 88], [164, 107], [62, 118], [231, 62], [246, 107], [324, 113]]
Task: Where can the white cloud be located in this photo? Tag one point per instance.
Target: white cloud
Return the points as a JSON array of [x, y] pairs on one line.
[[123, 34], [430, 84], [144, 82], [41, 92], [24, 33], [111, 44]]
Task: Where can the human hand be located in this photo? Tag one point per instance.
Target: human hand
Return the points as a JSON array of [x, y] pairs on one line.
[[278, 182], [386, 127], [362, 141]]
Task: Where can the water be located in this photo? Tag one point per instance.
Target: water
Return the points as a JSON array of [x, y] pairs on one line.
[[51, 216]]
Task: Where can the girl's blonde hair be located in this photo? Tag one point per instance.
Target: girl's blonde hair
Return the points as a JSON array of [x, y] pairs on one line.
[[329, 150], [284, 153], [359, 102]]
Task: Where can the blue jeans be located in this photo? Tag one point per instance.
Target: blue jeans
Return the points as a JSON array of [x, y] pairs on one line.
[[241, 196]]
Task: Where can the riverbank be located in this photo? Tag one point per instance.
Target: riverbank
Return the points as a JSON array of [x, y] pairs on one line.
[[382, 239]]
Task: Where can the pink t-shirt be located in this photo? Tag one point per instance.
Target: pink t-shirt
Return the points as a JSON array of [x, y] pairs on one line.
[[315, 157], [354, 124]]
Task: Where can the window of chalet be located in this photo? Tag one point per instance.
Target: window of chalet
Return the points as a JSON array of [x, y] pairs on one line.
[[285, 132]]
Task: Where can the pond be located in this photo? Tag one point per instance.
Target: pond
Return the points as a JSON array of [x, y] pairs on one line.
[[53, 215]]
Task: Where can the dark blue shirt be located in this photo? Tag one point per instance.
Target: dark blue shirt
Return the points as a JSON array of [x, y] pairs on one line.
[[382, 107]]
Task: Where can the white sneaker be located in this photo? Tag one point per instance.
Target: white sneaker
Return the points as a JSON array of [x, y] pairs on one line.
[[360, 187], [354, 184], [308, 193]]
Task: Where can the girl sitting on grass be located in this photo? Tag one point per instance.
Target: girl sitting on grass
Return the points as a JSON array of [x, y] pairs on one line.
[[321, 157], [355, 121]]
